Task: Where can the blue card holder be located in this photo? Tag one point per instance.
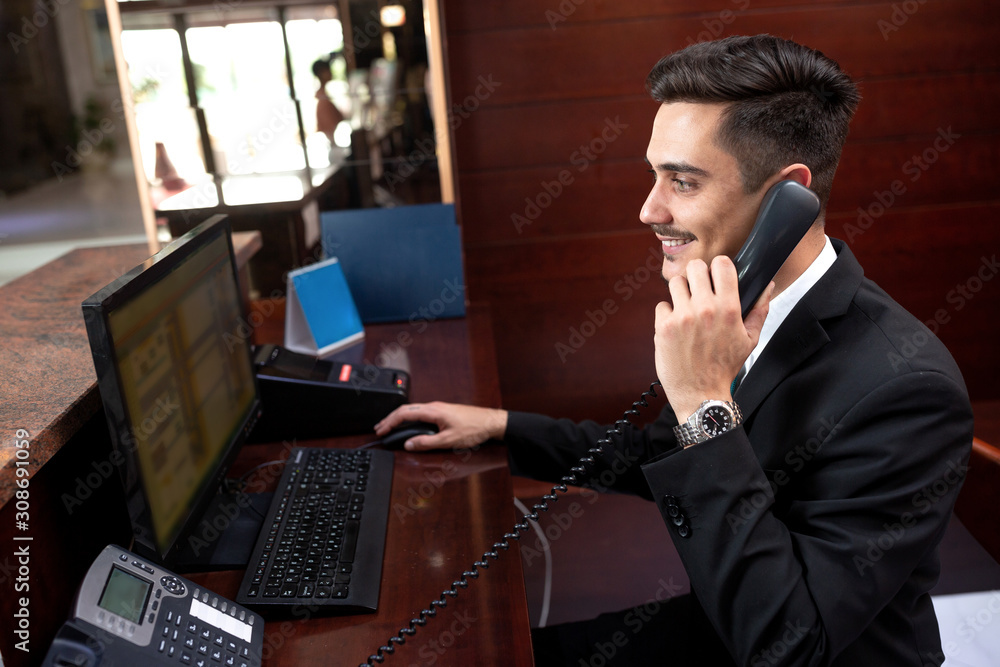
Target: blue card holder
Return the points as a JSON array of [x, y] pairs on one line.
[[320, 315]]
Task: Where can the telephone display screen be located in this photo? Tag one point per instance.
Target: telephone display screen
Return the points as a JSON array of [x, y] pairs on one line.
[[125, 595]]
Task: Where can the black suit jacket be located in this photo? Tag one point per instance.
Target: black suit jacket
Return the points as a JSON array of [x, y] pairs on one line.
[[810, 535]]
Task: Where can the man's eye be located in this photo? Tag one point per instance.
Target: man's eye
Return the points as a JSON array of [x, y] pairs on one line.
[[683, 186], [653, 172]]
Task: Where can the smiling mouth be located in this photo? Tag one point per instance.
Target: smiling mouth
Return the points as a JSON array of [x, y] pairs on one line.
[[672, 246]]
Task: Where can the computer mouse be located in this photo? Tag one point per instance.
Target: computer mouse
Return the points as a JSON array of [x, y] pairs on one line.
[[396, 438]]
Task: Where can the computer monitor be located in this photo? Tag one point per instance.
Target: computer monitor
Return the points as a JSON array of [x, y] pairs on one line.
[[177, 382]]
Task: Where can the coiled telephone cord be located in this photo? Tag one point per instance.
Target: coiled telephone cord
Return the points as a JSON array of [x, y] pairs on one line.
[[521, 527]]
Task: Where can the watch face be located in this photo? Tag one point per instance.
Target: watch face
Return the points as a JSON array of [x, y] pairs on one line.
[[715, 420]]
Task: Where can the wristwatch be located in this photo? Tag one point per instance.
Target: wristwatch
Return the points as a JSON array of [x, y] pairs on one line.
[[712, 418]]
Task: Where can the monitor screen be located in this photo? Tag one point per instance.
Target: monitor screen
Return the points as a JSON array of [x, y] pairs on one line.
[[176, 379]]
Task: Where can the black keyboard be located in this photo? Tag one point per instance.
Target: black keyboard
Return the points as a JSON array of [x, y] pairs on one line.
[[323, 538]]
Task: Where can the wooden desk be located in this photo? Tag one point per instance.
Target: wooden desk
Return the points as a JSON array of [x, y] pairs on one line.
[[447, 509]]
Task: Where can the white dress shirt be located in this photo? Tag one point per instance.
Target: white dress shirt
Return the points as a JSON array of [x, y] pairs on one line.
[[782, 304]]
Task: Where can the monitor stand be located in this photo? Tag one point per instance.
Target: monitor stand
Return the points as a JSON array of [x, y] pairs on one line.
[[226, 535]]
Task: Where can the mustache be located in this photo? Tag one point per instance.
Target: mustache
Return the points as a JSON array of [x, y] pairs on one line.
[[672, 232]]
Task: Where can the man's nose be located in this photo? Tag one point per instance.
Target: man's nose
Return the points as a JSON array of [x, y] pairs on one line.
[[654, 209]]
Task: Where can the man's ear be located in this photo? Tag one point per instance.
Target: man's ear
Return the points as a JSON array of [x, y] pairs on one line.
[[797, 172], [802, 175]]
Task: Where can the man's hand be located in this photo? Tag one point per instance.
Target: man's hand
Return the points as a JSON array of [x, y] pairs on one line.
[[700, 340], [460, 426]]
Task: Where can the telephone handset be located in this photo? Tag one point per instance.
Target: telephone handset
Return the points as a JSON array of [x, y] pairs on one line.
[[786, 213], [784, 217]]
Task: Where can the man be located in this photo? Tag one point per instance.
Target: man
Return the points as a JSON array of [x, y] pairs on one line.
[[809, 513], [328, 116]]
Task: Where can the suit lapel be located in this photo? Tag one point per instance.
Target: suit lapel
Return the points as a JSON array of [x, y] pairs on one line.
[[802, 333], [798, 337]]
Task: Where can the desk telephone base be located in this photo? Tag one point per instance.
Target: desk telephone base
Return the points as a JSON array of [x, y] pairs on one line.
[[130, 611]]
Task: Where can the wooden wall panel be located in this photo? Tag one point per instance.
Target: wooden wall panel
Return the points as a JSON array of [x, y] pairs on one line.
[[587, 60], [505, 137], [518, 13], [604, 198], [559, 87], [513, 205], [903, 106]]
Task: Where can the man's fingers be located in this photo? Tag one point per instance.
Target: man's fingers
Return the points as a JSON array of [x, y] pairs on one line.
[[698, 280], [663, 309], [405, 413], [680, 293], [426, 442], [724, 276]]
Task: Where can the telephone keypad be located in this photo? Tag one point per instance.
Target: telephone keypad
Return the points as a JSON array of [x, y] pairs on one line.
[[200, 645]]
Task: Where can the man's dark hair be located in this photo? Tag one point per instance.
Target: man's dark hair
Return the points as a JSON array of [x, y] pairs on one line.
[[319, 66], [787, 103]]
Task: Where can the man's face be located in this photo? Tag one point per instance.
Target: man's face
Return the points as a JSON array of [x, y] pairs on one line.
[[697, 207]]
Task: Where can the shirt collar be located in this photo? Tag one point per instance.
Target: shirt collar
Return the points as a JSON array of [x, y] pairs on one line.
[[783, 304]]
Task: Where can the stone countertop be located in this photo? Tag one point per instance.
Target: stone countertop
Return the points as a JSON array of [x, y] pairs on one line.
[[49, 388]]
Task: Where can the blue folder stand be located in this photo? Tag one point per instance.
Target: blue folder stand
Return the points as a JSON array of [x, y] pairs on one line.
[[401, 264], [320, 316]]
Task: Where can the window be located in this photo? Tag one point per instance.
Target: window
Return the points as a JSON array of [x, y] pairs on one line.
[[254, 117]]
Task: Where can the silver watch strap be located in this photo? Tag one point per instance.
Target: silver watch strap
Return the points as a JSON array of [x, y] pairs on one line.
[[686, 434]]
